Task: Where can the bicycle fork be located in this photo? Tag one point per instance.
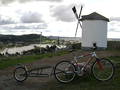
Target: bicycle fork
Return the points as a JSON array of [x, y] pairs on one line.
[[100, 65]]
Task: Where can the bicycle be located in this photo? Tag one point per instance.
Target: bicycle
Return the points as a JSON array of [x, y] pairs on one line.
[[21, 72], [102, 69]]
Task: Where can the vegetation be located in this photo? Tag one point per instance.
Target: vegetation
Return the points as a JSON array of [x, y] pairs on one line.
[[113, 45], [86, 83], [21, 40], [81, 83], [11, 61], [74, 46]]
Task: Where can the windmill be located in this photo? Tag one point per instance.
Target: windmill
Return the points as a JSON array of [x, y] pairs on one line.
[[78, 17], [94, 29]]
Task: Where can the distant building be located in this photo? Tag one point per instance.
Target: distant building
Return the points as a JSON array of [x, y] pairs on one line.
[[94, 30]]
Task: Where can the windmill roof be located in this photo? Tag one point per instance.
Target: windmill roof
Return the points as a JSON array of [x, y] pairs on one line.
[[94, 16]]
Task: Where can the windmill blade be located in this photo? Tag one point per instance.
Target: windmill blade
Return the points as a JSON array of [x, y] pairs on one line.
[[74, 9], [80, 12], [78, 18], [80, 25], [75, 12], [76, 29]]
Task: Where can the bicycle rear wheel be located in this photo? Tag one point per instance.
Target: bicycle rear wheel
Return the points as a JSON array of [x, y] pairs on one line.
[[20, 74], [103, 69], [64, 71]]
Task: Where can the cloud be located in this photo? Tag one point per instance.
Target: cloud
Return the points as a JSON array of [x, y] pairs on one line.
[[31, 17], [19, 29], [115, 18], [23, 1], [63, 13], [41, 26], [114, 30], [25, 17], [51, 0], [6, 20], [24, 26], [30, 26], [113, 26]]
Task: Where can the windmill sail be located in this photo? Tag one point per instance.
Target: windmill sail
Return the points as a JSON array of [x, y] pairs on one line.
[[78, 18], [75, 12]]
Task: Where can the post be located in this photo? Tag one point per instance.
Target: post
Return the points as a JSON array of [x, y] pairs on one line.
[[40, 40]]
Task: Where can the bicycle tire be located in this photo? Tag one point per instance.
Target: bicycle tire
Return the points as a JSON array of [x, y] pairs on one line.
[[104, 72], [20, 74], [64, 71]]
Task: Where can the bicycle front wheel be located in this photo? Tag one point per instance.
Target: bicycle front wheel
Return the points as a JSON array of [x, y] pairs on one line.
[[20, 74], [64, 71], [103, 69]]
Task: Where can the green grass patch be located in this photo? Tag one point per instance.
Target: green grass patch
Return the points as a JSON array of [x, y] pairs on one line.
[[115, 58], [11, 61]]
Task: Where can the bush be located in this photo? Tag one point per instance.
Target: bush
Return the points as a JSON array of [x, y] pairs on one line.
[[74, 46]]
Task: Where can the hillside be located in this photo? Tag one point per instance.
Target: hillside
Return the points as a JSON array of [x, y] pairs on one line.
[[35, 38], [21, 38], [12, 40]]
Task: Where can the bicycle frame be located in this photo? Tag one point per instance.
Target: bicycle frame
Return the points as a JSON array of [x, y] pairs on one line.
[[92, 55], [38, 72], [101, 68]]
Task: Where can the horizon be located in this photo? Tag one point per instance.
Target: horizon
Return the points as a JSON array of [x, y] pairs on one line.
[[54, 17], [52, 36]]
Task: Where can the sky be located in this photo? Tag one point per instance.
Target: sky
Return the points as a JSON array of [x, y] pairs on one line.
[[54, 17]]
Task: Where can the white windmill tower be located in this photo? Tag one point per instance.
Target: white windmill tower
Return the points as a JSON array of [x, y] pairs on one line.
[[94, 29]]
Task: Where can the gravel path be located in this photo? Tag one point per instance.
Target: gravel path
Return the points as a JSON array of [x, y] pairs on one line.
[[7, 81]]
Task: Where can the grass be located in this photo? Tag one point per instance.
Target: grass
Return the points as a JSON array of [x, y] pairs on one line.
[[83, 83], [89, 82], [11, 61]]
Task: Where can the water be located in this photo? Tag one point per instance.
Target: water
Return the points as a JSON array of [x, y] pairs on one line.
[[13, 50]]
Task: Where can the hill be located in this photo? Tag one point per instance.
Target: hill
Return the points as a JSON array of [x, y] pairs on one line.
[[21, 39]]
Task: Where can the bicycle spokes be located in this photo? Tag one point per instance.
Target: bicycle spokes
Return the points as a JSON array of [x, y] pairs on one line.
[[64, 72]]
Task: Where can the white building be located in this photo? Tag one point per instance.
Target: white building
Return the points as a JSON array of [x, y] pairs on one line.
[[94, 30]]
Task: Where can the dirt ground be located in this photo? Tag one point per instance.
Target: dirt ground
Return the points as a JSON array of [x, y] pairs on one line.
[[7, 81]]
